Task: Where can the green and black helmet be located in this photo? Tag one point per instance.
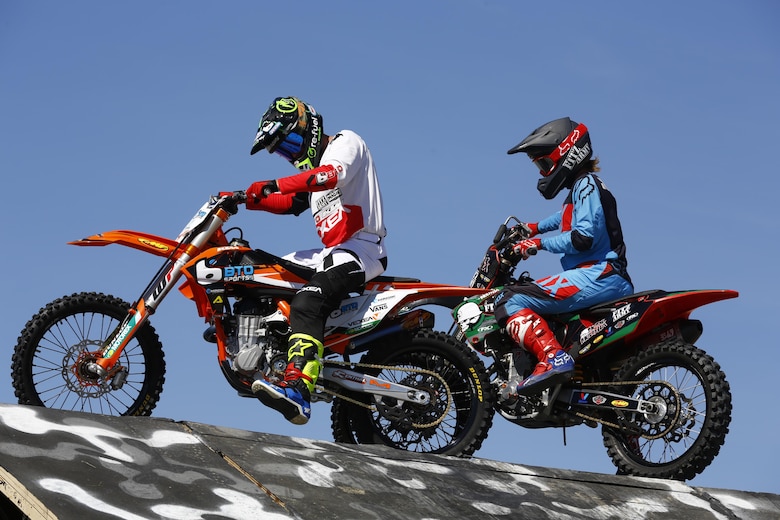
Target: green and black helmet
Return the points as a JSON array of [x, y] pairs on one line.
[[292, 129]]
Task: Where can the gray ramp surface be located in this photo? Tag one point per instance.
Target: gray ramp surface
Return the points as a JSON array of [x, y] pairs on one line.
[[69, 465]]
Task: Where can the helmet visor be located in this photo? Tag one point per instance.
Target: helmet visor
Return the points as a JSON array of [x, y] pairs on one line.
[[545, 165]]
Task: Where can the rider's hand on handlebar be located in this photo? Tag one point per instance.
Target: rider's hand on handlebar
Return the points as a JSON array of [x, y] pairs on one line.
[[527, 247], [260, 190], [233, 199], [534, 227]]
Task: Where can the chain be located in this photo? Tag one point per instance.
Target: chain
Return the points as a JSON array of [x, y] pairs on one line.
[[637, 383], [372, 407]]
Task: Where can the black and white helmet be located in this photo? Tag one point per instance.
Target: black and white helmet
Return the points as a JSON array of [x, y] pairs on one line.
[[559, 149], [292, 129]]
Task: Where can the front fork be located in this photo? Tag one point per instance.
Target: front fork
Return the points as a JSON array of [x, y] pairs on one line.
[[104, 364], [105, 361]]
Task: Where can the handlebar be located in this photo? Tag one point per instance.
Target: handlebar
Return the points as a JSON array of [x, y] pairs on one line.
[[231, 200], [512, 235], [239, 196]]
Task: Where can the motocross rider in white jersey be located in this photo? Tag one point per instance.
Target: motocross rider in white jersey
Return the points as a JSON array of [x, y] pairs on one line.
[[339, 184]]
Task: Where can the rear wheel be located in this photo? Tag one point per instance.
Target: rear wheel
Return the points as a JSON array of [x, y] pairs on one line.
[[463, 401], [51, 354], [686, 433]]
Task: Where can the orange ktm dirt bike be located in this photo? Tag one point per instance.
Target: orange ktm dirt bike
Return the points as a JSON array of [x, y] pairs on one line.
[[663, 404], [413, 388]]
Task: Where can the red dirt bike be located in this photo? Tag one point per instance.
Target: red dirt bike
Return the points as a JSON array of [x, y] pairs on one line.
[[664, 405], [413, 388]]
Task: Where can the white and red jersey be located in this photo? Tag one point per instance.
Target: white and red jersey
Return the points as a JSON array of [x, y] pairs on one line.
[[351, 201], [344, 197], [343, 193]]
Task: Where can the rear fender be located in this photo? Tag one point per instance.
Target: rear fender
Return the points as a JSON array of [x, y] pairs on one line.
[[645, 318], [676, 306], [422, 293], [389, 306]]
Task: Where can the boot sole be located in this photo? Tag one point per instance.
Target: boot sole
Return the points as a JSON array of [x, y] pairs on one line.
[[291, 411]]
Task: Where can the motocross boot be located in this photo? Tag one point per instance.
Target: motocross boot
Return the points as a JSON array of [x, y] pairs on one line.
[[555, 365], [292, 397]]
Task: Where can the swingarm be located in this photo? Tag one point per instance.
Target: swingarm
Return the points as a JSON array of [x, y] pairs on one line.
[[364, 383]]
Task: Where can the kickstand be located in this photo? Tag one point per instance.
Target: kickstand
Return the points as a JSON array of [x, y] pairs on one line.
[[564, 435]]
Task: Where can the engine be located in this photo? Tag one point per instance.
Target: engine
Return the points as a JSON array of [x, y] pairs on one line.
[[259, 339]]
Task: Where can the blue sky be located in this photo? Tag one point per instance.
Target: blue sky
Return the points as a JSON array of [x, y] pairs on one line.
[[129, 115]]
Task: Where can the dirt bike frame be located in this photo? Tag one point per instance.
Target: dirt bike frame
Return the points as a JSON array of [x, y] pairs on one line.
[[202, 243]]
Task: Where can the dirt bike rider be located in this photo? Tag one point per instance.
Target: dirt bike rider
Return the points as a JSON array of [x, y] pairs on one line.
[[590, 240], [338, 182]]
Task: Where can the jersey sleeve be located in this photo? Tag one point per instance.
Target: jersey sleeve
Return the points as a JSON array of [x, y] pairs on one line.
[[586, 206], [550, 223], [321, 178], [281, 204], [339, 162]]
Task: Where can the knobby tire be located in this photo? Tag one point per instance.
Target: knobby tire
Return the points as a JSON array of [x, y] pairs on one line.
[[45, 358], [701, 427]]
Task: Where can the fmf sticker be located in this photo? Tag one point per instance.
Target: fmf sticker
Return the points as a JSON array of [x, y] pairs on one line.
[[153, 243]]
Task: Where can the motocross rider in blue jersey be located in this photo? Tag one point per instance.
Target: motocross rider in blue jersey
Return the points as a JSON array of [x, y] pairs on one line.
[[590, 241]]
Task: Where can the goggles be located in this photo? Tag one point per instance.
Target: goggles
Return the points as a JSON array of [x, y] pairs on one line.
[[290, 148], [545, 165]]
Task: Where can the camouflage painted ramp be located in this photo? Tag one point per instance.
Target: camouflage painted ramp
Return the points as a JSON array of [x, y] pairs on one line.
[[69, 465]]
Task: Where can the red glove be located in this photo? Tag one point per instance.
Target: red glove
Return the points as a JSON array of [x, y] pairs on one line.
[[260, 190], [534, 227], [527, 247]]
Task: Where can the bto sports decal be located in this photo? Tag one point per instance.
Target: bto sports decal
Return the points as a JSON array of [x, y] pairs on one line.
[[207, 274]]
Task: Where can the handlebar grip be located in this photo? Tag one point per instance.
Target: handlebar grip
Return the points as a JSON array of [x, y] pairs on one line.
[[500, 233]]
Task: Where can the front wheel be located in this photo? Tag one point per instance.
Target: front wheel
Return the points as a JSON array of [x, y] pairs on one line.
[[461, 406], [49, 361], [690, 425]]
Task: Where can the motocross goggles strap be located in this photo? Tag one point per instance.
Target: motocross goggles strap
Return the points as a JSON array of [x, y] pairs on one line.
[[546, 164]]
